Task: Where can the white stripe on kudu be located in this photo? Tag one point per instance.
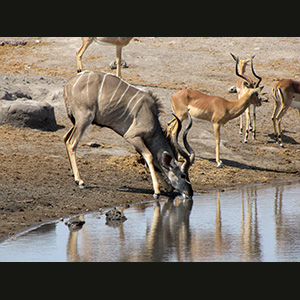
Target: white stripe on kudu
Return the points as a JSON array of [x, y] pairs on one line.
[[87, 85], [128, 105], [128, 86], [101, 87], [113, 95], [134, 107]]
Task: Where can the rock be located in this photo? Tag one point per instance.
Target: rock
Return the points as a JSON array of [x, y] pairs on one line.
[[75, 223], [28, 113], [115, 214], [115, 217]]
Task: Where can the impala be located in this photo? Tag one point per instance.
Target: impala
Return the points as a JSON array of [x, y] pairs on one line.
[[120, 42], [212, 108], [106, 100], [286, 93], [241, 89]]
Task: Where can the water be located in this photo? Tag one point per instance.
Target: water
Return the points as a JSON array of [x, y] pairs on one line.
[[257, 223]]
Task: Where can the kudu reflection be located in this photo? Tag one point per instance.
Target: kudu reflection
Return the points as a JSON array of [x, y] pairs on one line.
[[171, 233]]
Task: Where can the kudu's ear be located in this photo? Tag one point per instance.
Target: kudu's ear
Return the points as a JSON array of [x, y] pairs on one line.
[[167, 160]]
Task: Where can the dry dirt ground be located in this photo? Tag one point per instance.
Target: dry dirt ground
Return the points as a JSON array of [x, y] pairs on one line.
[[35, 181]]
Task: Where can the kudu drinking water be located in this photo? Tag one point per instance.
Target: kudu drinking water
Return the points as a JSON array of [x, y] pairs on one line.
[[105, 100]]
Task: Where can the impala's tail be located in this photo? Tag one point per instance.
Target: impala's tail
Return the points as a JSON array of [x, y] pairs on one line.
[[278, 95]]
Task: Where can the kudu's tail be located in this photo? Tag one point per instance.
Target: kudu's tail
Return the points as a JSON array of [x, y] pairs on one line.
[[68, 108]]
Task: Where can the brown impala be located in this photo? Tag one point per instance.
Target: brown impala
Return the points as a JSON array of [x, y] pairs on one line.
[[241, 89], [212, 108], [286, 93], [119, 42]]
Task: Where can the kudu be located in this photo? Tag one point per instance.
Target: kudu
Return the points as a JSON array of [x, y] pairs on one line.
[[106, 100], [212, 108], [119, 42]]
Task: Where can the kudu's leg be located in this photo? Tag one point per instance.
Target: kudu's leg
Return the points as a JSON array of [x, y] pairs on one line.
[[140, 147], [86, 41], [72, 139], [66, 137]]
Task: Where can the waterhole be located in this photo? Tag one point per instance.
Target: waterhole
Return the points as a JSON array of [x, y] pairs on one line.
[[255, 223]]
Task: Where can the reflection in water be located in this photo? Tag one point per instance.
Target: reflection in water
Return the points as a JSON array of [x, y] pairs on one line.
[[249, 224]]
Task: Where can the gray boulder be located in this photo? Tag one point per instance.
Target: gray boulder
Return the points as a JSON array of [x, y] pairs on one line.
[[28, 113]]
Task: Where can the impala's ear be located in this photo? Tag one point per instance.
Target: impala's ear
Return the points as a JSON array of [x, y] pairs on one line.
[[167, 160]]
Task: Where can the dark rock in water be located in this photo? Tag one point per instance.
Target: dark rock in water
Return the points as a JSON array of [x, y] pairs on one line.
[[75, 223], [27, 113], [115, 217]]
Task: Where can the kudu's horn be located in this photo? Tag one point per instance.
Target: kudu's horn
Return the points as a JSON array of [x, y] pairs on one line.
[[189, 158], [185, 142], [259, 78]]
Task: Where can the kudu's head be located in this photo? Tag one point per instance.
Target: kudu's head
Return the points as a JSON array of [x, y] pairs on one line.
[[252, 88], [178, 174]]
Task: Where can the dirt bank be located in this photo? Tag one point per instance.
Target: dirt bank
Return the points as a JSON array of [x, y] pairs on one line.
[[35, 180]]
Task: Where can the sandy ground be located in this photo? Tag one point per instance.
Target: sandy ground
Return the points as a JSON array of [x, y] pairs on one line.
[[35, 181]]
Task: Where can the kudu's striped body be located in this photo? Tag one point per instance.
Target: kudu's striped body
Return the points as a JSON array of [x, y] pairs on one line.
[[108, 101]]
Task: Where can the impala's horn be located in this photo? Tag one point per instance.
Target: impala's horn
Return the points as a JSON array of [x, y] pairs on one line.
[[259, 78], [240, 75]]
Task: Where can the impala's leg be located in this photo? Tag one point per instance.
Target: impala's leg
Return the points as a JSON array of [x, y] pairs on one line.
[[217, 128], [241, 124], [241, 116], [72, 139], [118, 60], [254, 122], [275, 112], [279, 117], [247, 125], [172, 127], [140, 147], [86, 41]]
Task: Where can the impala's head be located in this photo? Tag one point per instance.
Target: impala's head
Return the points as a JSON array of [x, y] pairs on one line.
[[177, 174], [242, 63], [254, 95], [252, 88]]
